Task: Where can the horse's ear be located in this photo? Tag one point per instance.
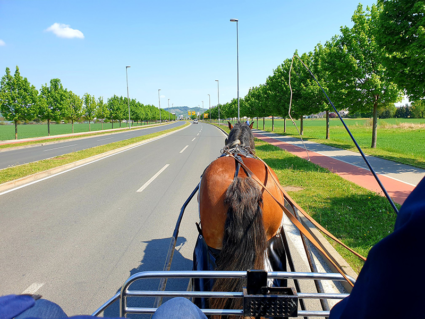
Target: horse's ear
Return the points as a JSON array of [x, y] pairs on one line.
[[230, 125], [251, 125]]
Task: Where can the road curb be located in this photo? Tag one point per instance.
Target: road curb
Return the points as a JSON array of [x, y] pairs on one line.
[[327, 247], [9, 186], [98, 133]]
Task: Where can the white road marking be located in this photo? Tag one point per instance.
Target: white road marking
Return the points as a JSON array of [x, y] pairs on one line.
[[33, 288], [197, 134], [141, 189], [193, 139], [184, 149], [105, 139], [71, 169], [56, 148]]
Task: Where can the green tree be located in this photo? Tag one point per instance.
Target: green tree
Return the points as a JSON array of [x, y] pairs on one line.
[[418, 109], [18, 98], [53, 102], [387, 111], [355, 67], [114, 108], [400, 34], [307, 97], [102, 110], [75, 108], [404, 112], [89, 107]]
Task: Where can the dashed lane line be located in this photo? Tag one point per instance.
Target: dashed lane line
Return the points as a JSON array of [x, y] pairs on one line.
[[33, 288], [141, 189], [56, 148]]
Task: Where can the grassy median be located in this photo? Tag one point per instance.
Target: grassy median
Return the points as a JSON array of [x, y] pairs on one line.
[[12, 173], [355, 215], [61, 139]]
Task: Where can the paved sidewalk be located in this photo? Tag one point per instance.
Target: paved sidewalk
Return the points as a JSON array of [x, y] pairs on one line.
[[398, 179]]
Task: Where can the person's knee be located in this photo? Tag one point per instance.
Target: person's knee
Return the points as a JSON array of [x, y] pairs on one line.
[[43, 309], [179, 308]]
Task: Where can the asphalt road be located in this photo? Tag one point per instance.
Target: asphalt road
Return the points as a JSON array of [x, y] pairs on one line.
[[76, 237], [37, 153]]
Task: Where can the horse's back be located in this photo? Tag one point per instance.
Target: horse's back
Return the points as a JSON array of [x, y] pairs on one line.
[[215, 182]]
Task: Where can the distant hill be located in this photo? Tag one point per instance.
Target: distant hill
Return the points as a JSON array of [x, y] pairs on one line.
[[182, 110]]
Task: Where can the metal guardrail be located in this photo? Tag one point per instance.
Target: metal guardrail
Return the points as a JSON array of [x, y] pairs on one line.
[[126, 292]]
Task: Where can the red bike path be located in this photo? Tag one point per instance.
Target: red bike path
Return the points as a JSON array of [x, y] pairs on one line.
[[362, 177]]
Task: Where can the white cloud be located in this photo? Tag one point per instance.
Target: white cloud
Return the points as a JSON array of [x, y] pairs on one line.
[[64, 31], [2, 43]]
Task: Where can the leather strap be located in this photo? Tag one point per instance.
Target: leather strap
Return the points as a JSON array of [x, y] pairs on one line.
[[295, 221]]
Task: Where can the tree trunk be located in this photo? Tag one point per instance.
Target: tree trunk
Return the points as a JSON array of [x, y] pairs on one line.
[[257, 122], [327, 125], [48, 127], [102, 125], [16, 129], [302, 126], [284, 125], [89, 126], [112, 121], [120, 123], [375, 123], [72, 126], [272, 123], [264, 123]]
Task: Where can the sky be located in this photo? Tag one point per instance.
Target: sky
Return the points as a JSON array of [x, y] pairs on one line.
[[180, 47]]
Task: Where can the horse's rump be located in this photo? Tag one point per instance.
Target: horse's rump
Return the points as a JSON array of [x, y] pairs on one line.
[[213, 210]]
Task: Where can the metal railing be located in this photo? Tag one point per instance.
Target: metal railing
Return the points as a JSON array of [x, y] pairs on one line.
[[127, 292]]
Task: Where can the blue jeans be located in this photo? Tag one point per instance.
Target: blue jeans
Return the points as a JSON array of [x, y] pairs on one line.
[[179, 308], [43, 309]]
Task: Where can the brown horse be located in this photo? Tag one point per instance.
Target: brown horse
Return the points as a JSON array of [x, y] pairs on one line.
[[238, 216]]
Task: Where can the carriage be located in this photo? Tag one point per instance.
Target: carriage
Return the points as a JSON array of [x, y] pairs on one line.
[[269, 291]]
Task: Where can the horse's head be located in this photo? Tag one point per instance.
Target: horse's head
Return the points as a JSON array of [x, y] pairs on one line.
[[241, 132]]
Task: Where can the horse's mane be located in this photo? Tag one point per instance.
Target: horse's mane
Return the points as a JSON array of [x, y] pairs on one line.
[[243, 133]]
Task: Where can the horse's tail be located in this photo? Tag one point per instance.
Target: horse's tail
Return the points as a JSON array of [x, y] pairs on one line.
[[244, 240]]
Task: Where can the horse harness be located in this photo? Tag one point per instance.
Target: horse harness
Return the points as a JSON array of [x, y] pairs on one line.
[[237, 150]]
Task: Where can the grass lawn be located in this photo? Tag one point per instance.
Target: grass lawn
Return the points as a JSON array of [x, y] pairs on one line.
[[395, 142], [7, 132], [12, 173], [356, 216]]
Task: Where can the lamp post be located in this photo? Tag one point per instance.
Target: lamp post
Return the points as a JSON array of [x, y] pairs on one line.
[[159, 101], [169, 109], [237, 59], [218, 100], [128, 97], [209, 108]]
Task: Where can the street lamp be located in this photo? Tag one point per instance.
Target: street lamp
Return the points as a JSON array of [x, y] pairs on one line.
[[218, 100], [169, 114], [237, 59], [209, 98], [159, 101], [128, 98]]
